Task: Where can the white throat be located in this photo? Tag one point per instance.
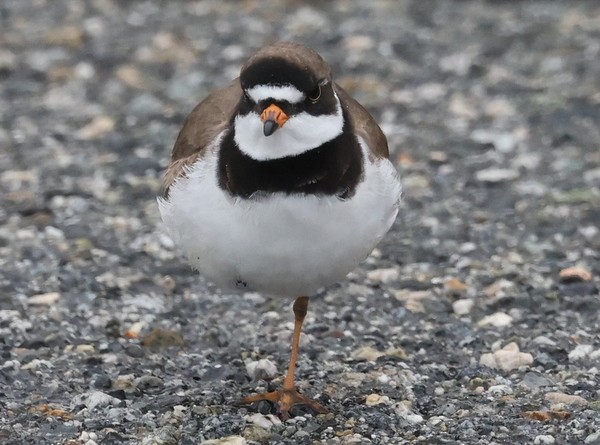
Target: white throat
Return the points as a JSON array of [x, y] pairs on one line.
[[302, 132]]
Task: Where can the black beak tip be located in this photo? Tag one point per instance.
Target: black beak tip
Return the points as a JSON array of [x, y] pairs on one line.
[[269, 127]]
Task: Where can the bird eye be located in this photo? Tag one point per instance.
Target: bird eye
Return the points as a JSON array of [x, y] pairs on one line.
[[247, 96], [315, 95]]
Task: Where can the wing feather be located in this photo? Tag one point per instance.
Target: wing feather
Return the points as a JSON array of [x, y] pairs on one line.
[[363, 124], [209, 118]]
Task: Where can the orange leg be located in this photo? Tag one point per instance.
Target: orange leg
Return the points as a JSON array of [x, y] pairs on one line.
[[286, 397]]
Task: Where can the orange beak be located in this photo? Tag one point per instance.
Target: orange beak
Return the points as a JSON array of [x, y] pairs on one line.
[[273, 118]]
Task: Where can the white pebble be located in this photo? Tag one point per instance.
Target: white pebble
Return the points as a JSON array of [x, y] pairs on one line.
[[262, 369], [512, 346], [494, 175], [543, 439], [498, 320], [85, 349], [488, 360], [499, 390], [263, 421], [580, 352], [99, 399], [54, 233], [593, 438], [507, 358], [366, 353], [463, 306], [11, 364], [543, 340], [376, 399], [404, 412], [37, 364], [47, 299], [383, 275], [413, 418], [384, 378], [436, 420]]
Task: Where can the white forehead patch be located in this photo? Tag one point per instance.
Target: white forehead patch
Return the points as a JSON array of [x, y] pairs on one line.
[[289, 93]]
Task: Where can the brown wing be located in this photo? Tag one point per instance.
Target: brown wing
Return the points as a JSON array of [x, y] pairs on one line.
[[202, 125], [364, 124]]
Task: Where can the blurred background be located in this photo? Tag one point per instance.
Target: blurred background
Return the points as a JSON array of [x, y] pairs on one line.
[[491, 109]]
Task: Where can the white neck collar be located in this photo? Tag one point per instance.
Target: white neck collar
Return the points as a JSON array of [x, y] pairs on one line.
[[301, 133]]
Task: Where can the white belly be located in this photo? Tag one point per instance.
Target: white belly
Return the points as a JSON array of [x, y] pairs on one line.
[[282, 244]]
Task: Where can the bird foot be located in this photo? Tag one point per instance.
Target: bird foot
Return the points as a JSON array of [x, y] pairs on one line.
[[285, 401]]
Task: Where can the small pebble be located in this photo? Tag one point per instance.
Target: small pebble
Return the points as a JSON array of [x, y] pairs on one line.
[[384, 276], [544, 341], [124, 381], [463, 306], [134, 350], [580, 352], [254, 433], [498, 320], [499, 390], [263, 421], [96, 129], [559, 397], [99, 399], [534, 381], [455, 285], [262, 369], [47, 299], [376, 399], [367, 353], [503, 142], [573, 274], [543, 439], [85, 349], [593, 439], [149, 383], [495, 175], [507, 358], [134, 330]]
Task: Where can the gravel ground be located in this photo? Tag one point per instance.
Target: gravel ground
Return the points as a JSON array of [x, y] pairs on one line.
[[476, 320]]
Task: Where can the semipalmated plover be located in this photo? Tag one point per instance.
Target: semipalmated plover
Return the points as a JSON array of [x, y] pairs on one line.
[[280, 183]]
